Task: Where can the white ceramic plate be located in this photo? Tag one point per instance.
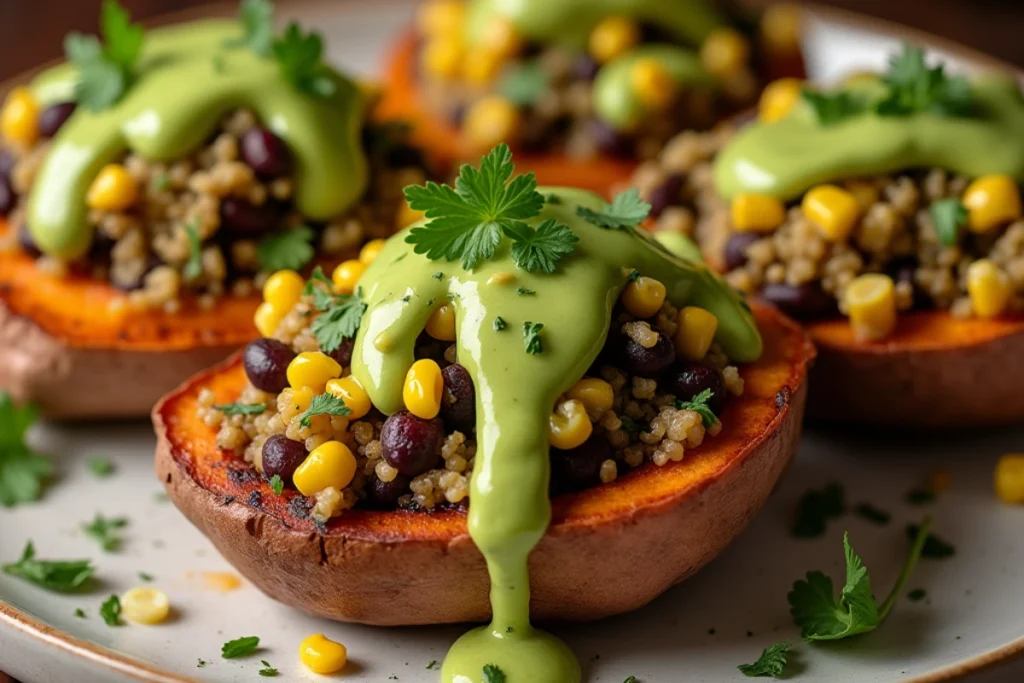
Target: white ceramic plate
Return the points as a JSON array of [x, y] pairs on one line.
[[699, 631]]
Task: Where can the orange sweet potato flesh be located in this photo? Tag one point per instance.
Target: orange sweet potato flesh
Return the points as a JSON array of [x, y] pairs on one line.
[[402, 567]]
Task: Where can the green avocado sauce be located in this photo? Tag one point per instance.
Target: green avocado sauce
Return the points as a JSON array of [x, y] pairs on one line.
[[615, 100], [569, 22], [509, 508], [185, 81], [787, 157]]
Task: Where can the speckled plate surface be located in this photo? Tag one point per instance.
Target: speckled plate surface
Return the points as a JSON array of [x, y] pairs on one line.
[[699, 631]]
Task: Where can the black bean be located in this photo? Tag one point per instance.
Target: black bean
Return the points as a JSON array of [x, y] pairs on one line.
[[343, 354], [266, 153], [282, 456], [458, 402], [6, 163], [385, 494], [53, 117], [645, 362], [580, 467], [610, 140], [238, 216], [666, 194], [690, 378], [585, 67], [7, 197], [411, 444], [805, 302], [736, 248], [266, 364]]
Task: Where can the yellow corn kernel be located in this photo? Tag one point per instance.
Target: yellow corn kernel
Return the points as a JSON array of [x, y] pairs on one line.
[[871, 305], [991, 201], [441, 324], [442, 58], [267, 318], [652, 84], [301, 398], [491, 120], [778, 99], [643, 296], [441, 18], [371, 250], [407, 215], [501, 278], [330, 464], [423, 388], [19, 118], [756, 212], [502, 38], [145, 605], [283, 289], [833, 210], [346, 276], [321, 655], [569, 426], [312, 369], [349, 390], [695, 332], [613, 37], [864, 192], [724, 52], [480, 67], [781, 27], [595, 394], [113, 189], [1009, 478], [989, 288]]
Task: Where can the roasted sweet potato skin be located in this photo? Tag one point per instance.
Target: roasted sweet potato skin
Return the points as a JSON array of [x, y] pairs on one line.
[[393, 568]]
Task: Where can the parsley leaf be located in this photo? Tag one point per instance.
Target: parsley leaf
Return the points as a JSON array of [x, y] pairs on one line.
[[239, 647], [194, 267], [771, 662], [105, 71], [699, 405], [323, 404], [816, 508], [267, 670], [100, 466], [56, 575], [531, 338], [286, 250], [820, 616], [257, 17], [242, 408], [110, 610], [948, 216], [300, 57], [277, 484], [524, 84], [492, 674], [915, 87], [22, 471], [541, 249], [832, 108], [625, 211], [467, 221], [104, 530]]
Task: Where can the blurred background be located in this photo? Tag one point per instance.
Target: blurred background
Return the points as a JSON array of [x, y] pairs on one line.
[[31, 31]]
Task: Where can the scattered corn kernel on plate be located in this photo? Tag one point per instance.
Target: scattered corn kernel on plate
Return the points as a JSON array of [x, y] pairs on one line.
[[960, 611]]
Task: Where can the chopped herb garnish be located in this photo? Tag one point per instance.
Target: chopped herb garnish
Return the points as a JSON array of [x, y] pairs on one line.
[[634, 275], [147, 578], [80, 613], [438, 275], [523, 291], [105, 70], [277, 484], [699, 405], [499, 324], [917, 595], [524, 84], [771, 662], [820, 616], [22, 470], [340, 314], [816, 508], [831, 108], [531, 337], [915, 87], [57, 575], [257, 18], [194, 267], [552, 198], [286, 250], [934, 547], [239, 647], [492, 674], [873, 514], [466, 223], [242, 408], [948, 216], [200, 663], [161, 182], [267, 670], [110, 610], [100, 466], [432, 665], [406, 298], [920, 496], [300, 57], [323, 404], [104, 530], [630, 679], [631, 426], [625, 212]]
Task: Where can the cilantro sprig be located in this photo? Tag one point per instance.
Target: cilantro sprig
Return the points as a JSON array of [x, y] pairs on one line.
[[323, 404], [22, 470], [833, 107], [110, 610], [625, 212], [241, 408], [467, 221], [493, 674], [286, 250], [340, 314], [257, 18], [700, 405], [300, 57], [104, 531], [105, 70], [772, 662], [822, 616], [239, 647], [57, 575]]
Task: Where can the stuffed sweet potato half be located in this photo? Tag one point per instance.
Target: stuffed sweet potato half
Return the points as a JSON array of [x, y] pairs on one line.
[[583, 90], [150, 184], [885, 215], [574, 387]]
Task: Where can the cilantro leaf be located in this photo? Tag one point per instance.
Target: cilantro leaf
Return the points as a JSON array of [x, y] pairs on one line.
[[625, 211], [541, 249], [22, 471], [105, 71], [194, 267], [242, 408], [100, 466], [492, 674], [257, 17], [110, 610], [467, 221], [104, 530], [831, 108], [531, 338], [56, 575], [300, 58], [286, 250], [277, 484], [699, 405], [267, 670], [821, 616], [771, 662], [915, 87], [323, 404], [239, 647], [339, 320], [948, 216], [524, 84], [816, 508], [122, 39]]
